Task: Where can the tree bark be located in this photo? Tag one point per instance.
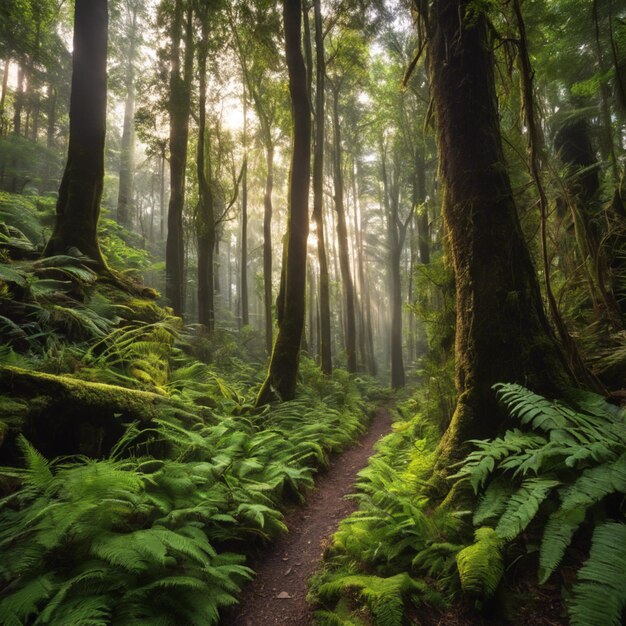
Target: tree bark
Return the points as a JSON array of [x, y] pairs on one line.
[[78, 204], [50, 130], [205, 218], [283, 369], [5, 83], [127, 153], [267, 245], [396, 233], [245, 315], [502, 333], [179, 108], [342, 239], [325, 347]]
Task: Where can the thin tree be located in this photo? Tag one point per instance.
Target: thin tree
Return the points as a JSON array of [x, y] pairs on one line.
[[205, 213], [179, 109], [283, 368], [318, 192], [127, 148], [342, 233]]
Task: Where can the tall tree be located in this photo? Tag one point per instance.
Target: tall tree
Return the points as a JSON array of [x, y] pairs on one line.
[[502, 333], [283, 367], [318, 191], [396, 232], [131, 40], [179, 109], [342, 233], [78, 204], [205, 212], [245, 314]]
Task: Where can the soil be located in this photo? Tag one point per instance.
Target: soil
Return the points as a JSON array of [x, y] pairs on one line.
[[278, 593]]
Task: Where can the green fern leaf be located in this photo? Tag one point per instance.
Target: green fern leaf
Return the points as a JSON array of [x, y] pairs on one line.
[[23, 603], [599, 595], [557, 535], [38, 473], [493, 503], [481, 565], [523, 506]]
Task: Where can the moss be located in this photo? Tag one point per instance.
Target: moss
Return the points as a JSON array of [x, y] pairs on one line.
[[69, 416]]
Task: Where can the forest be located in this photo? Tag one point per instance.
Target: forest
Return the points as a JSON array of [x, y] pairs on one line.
[[312, 312]]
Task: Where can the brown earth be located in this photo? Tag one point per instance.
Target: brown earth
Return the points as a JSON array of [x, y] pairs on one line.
[[278, 593]]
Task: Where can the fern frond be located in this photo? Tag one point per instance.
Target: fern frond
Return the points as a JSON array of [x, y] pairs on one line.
[[493, 502], [599, 595], [481, 564], [38, 472], [530, 408], [383, 596], [25, 601], [523, 506], [557, 536]]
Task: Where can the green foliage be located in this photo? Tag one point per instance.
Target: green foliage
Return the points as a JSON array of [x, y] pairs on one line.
[[391, 533], [384, 597], [600, 593], [556, 478], [138, 539], [481, 565], [85, 540]]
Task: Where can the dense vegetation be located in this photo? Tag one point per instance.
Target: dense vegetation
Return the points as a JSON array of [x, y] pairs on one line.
[[225, 227]]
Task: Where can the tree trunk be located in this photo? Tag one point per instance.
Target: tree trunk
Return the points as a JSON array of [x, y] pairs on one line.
[[3, 93], [283, 368], [267, 246], [245, 315], [342, 239], [325, 348], [502, 333], [419, 196], [395, 233], [18, 103], [78, 204], [127, 153], [51, 126], [205, 218], [179, 105], [162, 193]]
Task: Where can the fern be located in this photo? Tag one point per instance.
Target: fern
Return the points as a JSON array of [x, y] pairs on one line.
[[557, 536], [481, 565], [383, 596], [600, 593], [523, 507], [579, 457], [493, 502]]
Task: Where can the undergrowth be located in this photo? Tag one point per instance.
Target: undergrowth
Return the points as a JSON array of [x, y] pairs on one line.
[[562, 474], [552, 494], [371, 571], [156, 531]]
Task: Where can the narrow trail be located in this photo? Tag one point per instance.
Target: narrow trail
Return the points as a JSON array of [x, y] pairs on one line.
[[278, 593]]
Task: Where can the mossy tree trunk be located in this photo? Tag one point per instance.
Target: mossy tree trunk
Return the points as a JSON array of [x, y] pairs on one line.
[[78, 204], [502, 333], [283, 368]]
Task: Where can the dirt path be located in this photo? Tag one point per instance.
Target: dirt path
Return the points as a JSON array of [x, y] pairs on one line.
[[277, 594]]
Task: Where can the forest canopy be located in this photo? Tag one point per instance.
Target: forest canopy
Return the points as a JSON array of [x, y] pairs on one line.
[[237, 236]]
